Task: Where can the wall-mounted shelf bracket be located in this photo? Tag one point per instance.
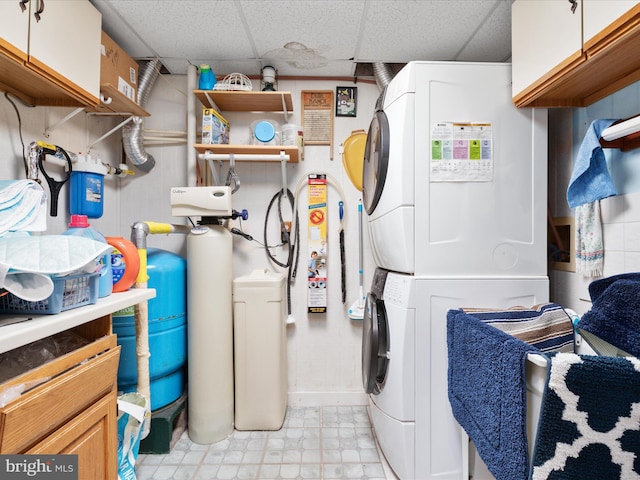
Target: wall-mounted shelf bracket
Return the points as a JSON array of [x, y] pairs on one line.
[[284, 108], [114, 129], [62, 121], [123, 106]]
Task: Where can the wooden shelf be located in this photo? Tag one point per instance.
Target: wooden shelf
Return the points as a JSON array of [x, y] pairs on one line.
[[257, 150], [246, 101], [119, 103]]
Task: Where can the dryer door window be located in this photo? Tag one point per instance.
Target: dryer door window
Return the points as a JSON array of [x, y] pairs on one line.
[[376, 161], [375, 345]]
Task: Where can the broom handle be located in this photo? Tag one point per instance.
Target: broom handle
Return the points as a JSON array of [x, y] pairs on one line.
[[360, 262]]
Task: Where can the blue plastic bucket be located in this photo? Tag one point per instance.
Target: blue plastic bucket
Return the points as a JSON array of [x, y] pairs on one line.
[[167, 331]]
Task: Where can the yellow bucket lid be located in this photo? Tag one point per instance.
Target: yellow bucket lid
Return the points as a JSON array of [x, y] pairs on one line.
[[353, 156]]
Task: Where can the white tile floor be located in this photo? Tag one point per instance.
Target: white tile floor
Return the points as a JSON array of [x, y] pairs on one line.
[[314, 443]]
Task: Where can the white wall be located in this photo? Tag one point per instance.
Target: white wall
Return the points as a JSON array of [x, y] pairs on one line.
[[620, 214], [323, 349]]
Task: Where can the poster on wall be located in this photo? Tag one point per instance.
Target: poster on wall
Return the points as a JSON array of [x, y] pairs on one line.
[[346, 101], [317, 258], [461, 152]]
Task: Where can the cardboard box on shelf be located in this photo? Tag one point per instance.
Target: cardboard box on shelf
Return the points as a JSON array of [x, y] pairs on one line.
[[118, 69], [215, 128]]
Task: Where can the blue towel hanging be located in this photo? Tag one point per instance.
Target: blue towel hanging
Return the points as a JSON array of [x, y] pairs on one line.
[[590, 179]]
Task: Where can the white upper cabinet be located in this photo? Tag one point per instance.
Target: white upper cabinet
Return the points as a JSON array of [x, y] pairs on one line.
[[54, 60], [544, 35], [599, 14], [67, 41], [565, 58], [14, 28]]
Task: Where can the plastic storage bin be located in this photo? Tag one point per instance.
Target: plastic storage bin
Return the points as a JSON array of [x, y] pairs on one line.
[[68, 292], [260, 350], [265, 132]]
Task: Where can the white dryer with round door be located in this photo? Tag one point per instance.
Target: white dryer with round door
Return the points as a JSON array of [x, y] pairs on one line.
[[420, 223]]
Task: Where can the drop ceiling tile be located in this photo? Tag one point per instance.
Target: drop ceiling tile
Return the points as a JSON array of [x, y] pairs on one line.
[[492, 43], [185, 29], [405, 31], [304, 34], [307, 37]]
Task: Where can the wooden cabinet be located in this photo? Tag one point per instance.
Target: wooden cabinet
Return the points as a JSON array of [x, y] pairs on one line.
[[73, 412], [54, 60], [72, 409], [238, 101], [566, 59], [89, 436]]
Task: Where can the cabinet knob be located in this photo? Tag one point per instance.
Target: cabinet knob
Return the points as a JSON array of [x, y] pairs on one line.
[[574, 5]]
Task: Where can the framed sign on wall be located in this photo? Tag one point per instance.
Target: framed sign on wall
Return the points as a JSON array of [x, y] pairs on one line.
[[317, 117], [346, 101]]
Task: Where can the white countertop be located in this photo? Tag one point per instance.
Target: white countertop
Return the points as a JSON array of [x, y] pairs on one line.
[[18, 330]]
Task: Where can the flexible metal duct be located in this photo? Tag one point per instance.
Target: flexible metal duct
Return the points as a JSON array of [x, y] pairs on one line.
[[132, 132], [382, 73]]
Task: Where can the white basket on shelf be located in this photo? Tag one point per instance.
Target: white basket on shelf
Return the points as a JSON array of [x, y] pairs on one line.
[[234, 81]]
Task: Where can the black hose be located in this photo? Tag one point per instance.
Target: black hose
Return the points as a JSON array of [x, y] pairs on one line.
[[292, 263]]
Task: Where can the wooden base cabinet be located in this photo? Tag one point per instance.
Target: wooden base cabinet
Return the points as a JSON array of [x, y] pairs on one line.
[[74, 411], [92, 436]]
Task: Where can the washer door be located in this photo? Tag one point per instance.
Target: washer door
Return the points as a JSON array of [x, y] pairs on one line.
[[375, 345], [376, 161]]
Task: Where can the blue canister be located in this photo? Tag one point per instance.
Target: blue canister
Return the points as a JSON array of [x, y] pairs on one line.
[[207, 78], [264, 131]]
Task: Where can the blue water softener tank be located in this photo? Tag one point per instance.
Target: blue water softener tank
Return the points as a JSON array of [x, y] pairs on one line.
[[79, 226], [167, 331]]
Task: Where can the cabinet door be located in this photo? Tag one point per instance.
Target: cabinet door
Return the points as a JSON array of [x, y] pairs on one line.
[[92, 436], [597, 15], [544, 35], [65, 44], [14, 30]]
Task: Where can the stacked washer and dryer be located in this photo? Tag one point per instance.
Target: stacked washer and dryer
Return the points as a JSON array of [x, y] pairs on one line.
[[449, 228]]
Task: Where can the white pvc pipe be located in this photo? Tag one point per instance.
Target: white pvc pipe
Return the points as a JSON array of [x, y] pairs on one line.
[[191, 125]]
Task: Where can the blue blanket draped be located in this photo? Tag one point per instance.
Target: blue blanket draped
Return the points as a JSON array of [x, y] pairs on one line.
[[487, 392]]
